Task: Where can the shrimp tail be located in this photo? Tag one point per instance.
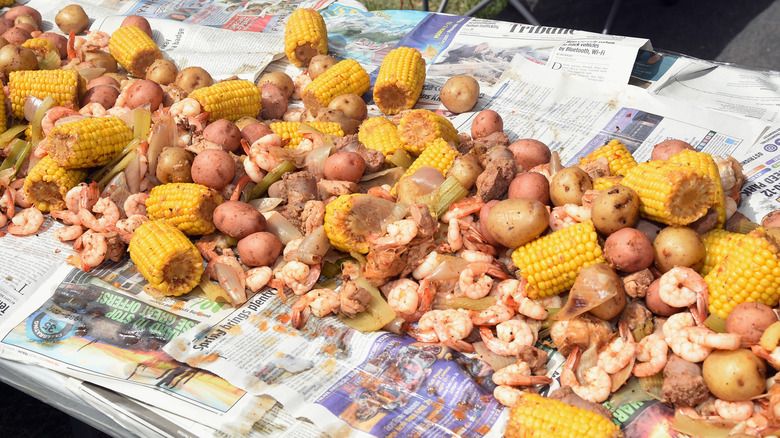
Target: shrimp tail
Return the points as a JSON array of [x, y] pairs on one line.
[[72, 54]]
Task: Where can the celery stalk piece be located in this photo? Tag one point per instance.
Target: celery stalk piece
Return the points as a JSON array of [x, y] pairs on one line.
[[446, 194], [270, 178], [401, 158], [116, 169], [37, 131], [19, 151], [103, 171], [142, 123], [10, 134]]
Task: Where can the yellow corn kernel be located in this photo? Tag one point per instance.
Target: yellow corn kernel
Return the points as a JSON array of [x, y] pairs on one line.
[[187, 206], [61, 85], [418, 128], [305, 36], [704, 163], [539, 417], [380, 134], [229, 100], [603, 183], [439, 155], [41, 46], [400, 80], [619, 158], [291, 131], [88, 142], [134, 50], [346, 77], [718, 243], [47, 183]]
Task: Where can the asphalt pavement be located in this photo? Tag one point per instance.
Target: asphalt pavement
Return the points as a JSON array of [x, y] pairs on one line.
[[740, 32]]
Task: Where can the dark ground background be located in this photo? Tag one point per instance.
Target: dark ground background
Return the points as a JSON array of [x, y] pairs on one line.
[[741, 32]]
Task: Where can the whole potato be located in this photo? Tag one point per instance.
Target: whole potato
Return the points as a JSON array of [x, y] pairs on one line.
[[280, 79], [18, 11], [15, 58], [5, 25], [656, 304], [515, 222], [530, 153], [174, 165], [259, 249], [25, 24], [102, 59], [238, 219], [678, 246], [192, 78], [629, 250], [17, 35], [144, 92], [345, 166], [163, 71], [246, 120], [72, 18], [466, 169], [224, 133], [213, 168], [772, 219], [750, 320], [59, 41], [274, 102], [483, 228], [735, 375], [460, 93], [254, 131], [139, 22], [351, 105], [568, 185], [487, 122], [530, 185], [103, 80], [105, 95], [320, 63], [348, 124], [615, 208], [665, 149]]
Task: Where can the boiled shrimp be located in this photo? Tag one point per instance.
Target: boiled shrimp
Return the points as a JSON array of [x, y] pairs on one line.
[[320, 302], [398, 233], [135, 204], [718, 341], [68, 217], [26, 222], [300, 82], [260, 153], [93, 109], [493, 315], [737, 411], [598, 384], [518, 374], [403, 297], [476, 256], [454, 238], [187, 107], [448, 327], [255, 173], [682, 287], [517, 290], [652, 351], [73, 197], [299, 277], [257, 278], [7, 207], [479, 288], [92, 248], [51, 116], [66, 234], [229, 274], [463, 208], [619, 352], [507, 395], [126, 227], [511, 337], [682, 344], [89, 196], [567, 215], [427, 266], [109, 215]]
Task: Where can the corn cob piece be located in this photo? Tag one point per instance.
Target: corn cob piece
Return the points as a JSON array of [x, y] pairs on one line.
[[418, 128], [704, 162], [749, 273], [349, 218], [603, 183], [551, 263], [187, 206], [88, 142], [438, 155], [380, 134], [346, 77], [291, 131], [166, 257], [62, 85], [7, 2], [40, 46], [400, 80], [229, 100], [672, 193], [134, 50], [47, 183], [718, 243], [619, 158], [305, 37], [536, 416]]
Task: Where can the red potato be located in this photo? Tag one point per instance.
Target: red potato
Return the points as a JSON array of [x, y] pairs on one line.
[[486, 123], [224, 133], [16, 35], [139, 22], [103, 80], [345, 166], [655, 304], [483, 228], [59, 41], [18, 11], [105, 95], [667, 148], [750, 320], [5, 25], [238, 219], [530, 153], [26, 26], [144, 92], [629, 250], [772, 219], [213, 168], [530, 185], [259, 249], [274, 102], [255, 131]]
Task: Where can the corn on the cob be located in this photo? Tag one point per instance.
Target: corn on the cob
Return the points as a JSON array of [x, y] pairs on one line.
[[380, 134], [166, 257], [134, 50], [537, 417], [400, 80], [40, 46], [47, 183], [229, 100], [704, 163], [749, 273], [7, 2], [619, 158], [350, 218], [346, 77], [603, 183], [88, 142], [718, 243], [187, 206], [418, 128], [61, 85], [438, 155], [672, 193], [292, 131], [305, 36], [551, 263]]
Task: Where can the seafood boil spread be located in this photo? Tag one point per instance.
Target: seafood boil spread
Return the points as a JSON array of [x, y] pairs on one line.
[[465, 240]]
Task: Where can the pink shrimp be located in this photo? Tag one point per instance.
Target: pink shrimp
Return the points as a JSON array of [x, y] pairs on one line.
[[598, 384], [479, 288], [109, 215], [448, 327], [512, 336], [652, 351], [135, 204], [26, 222], [518, 374], [69, 233], [463, 208], [52, 115], [682, 287], [320, 302], [619, 352]]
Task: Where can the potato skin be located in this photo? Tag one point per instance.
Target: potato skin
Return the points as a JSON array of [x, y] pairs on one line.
[[139, 22], [238, 219], [749, 320], [18, 11], [72, 18], [213, 168], [515, 222], [280, 79], [174, 165], [678, 246], [320, 63], [254, 131], [460, 93], [530, 185], [351, 105], [483, 228], [629, 250], [14, 58], [274, 102], [735, 375], [655, 304], [345, 166], [144, 91], [667, 148], [16, 35], [103, 80], [192, 78], [486, 123], [530, 153], [163, 71], [224, 133], [103, 94], [59, 41], [259, 249], [614, 209], [568, 185]]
